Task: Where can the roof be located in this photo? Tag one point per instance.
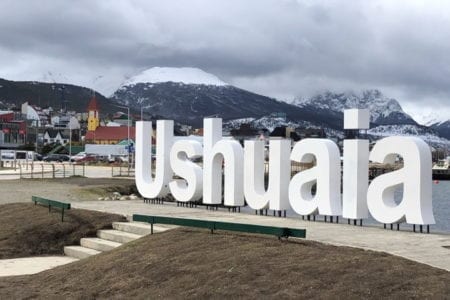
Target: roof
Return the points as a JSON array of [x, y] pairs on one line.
[[52, 133], [93, 104], [111, 133], [279, 131]]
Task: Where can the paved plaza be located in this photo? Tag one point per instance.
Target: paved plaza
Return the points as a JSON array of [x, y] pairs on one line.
[[431, 249]]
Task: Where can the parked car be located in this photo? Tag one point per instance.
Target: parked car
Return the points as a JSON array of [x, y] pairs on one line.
[[117, 158], [78, 156], [57, 157], [87, 158]]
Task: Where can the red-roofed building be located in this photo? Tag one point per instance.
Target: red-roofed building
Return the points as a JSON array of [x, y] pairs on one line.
[[109, 135], [6, 116]]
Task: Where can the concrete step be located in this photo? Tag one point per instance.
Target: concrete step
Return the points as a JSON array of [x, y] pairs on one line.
[[117, 236], [99, 244], [138, 228], [79, 251]]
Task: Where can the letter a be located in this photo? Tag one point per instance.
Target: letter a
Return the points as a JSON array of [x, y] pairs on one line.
[[326, 174], [415, 176]]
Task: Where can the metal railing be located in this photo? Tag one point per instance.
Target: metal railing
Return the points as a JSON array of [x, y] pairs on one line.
[[51, 203], [50, 170], [214, 225], [122, 170]]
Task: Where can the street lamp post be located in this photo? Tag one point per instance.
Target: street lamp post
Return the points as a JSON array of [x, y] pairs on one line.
[[128, 133], [128, 136]]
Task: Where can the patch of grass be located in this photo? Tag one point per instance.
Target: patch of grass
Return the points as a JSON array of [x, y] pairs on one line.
[[28, 230], [193, 264]]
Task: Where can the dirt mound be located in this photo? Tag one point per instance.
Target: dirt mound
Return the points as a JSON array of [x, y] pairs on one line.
[[28, 230], [188, 263]]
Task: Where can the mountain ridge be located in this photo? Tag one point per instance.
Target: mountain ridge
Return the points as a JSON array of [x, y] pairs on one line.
[[189, 102], [183, 75], [56, 95], [383, 110]]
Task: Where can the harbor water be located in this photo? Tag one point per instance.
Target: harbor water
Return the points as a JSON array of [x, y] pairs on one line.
[[441, 210]]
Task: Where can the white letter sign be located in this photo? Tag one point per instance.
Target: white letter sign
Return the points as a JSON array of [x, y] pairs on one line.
[[415, 177], [326, 175]]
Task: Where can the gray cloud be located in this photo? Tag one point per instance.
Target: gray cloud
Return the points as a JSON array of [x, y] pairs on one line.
[[282, 48]]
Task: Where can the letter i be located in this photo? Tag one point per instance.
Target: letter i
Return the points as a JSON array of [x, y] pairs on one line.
[[356, 166]]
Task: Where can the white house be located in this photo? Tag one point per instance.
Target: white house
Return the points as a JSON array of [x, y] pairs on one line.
[[55, 136]]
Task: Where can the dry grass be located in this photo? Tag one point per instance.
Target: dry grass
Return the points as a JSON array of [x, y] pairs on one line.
[[188, 263], [28, 230]]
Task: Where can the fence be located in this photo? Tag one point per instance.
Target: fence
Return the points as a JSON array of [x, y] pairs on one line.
[[52, 203], [50, 170], [122, 170], [215, 225]]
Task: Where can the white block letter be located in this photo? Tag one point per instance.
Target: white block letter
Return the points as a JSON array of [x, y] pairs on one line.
[[276, 196], [146, 185], [356, 179], [215, 153], [189, 188], [326, 174], [415, 176], [356, 167]]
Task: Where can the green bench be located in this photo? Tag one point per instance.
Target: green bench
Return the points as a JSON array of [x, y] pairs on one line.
[[51, 203], [213, 225]]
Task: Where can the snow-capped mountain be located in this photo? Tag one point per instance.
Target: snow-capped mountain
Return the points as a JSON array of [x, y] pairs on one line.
[[387, 116], [270, 122], [52, 77], [443, 128], [188, 95], [177, 75], [432, 118], [383, 110], [425, 133]]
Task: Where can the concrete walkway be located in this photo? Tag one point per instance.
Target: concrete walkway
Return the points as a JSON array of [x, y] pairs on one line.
[[424, 248], [31, 265]]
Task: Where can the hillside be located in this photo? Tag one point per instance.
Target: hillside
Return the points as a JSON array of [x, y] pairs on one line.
[[383, 110], [56, 95], [188, 95], [443, 128], [190, 103]]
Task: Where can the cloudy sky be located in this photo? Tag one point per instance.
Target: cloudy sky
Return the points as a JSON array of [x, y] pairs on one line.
[[279, 48]]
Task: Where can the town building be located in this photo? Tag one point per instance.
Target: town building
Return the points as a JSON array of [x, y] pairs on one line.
[[117, 131], [93, 114], [110, 135]]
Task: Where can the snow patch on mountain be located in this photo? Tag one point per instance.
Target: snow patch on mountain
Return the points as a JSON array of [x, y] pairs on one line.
[[433, 118], [424, 133], [381, 107], [54, 77], [270, 123], [178, 75]]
